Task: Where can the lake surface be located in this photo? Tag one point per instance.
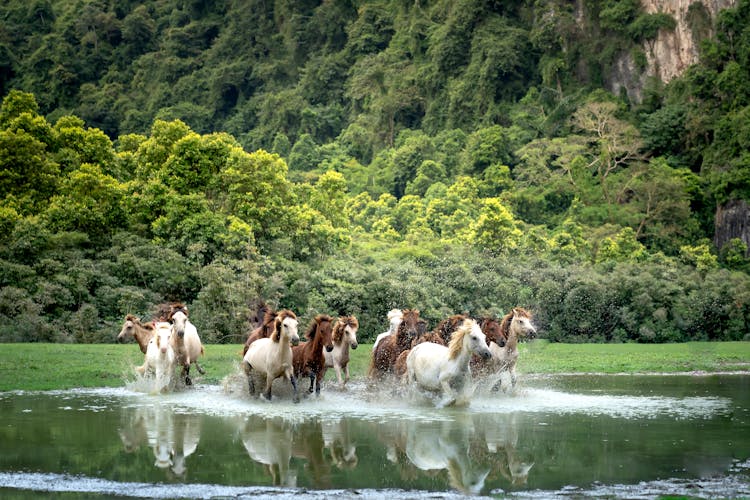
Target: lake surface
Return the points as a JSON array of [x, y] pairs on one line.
[[556, 437]]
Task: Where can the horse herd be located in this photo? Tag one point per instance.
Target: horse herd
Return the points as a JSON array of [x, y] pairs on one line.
[[441, 363]]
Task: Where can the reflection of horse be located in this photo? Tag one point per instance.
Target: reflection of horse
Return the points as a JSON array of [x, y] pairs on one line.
[[133, 328], [187, 435], [336, 438], [308, 357], [394, 319], [344, 336], [434, 367], [384, 355], [272, 356], [514, 326], [308, 445], [263, 325], [160, 357], [501, 436], [271, 445], [446, 448], [186, 342]]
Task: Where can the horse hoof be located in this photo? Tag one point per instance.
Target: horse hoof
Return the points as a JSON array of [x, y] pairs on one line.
[[188, 381]]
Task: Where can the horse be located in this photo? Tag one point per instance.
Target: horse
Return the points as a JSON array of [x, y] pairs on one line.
[[186, 342], [133, 328], [263, 325], [160, 357], [493, 334], [515, 325], [271, 445], [272, 356], [337, 439], [308, 357], [344, 337], [438, 368], [440, 335], [395, 316], [384, 355]]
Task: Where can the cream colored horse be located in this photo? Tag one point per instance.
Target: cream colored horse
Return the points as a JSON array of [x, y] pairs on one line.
[[272, 356], [436, 368], [186, 342], [344, 338]]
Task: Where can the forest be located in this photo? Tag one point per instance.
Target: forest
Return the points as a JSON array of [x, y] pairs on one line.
[[349, 157]]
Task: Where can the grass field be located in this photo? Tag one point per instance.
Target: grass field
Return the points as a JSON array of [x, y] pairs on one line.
[[64, 366]]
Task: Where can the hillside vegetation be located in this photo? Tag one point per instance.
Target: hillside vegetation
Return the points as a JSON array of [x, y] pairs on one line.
[[351, 157]]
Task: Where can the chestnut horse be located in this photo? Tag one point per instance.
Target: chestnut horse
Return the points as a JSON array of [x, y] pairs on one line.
[[494, 334], [385, 354], [344, 337], [308, 357]]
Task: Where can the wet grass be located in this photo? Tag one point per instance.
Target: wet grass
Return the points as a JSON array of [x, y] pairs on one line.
[[64, 366]]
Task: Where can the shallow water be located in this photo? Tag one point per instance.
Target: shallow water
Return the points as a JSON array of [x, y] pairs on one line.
[[614, 436]]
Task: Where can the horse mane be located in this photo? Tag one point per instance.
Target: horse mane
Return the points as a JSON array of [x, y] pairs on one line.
[[133, 318], [313, 327], [457, 339], [341, 324], [449, 325], [508, 318], [176, 307], [280, 317]]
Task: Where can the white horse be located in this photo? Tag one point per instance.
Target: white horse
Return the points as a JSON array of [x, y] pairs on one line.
[[160, 357], [436, 368], [272, 356], [186, 342], [395, 316], [344, 337], [271, 445], [515, 325]]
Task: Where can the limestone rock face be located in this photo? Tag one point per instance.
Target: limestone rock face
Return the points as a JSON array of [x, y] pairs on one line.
[[670, 54], [732, 220]]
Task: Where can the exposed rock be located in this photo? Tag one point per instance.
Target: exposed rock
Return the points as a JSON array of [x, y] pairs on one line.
[[732, 220]]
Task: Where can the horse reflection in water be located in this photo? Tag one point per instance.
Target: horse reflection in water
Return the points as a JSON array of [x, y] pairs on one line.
[[447, 447], [337, 438], [500, 433], [171, 437], [270, 443]]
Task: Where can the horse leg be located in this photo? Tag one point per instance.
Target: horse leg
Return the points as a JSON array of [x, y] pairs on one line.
[[312, 382], [449, 397], [200, 368], [269, 384], [318, 379], [186, 372], [293, 380], [338, 374]]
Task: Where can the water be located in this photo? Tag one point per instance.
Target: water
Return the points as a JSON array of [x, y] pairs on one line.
[[556, 437]]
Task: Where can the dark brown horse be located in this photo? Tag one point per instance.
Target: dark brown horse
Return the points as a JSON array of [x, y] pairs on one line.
[[493, 332], [308, 357], [440, 335], [387, 351], [264, 325]]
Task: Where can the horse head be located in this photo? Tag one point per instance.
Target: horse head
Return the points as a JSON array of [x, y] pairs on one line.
[[492, 331], [521, 323], [321, 330], [127, 331], [411, 327], [395, 316], [469, 339], [178, 315], [286, 325], [162, 337], [346, 329]]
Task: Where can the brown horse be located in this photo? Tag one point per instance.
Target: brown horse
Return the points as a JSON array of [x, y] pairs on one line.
[[389, 348], [493, 332], [262, 330], [440, 335], [133, 328], [308, 357]]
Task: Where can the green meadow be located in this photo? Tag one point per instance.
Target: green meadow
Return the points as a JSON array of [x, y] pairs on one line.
[[64, 366]]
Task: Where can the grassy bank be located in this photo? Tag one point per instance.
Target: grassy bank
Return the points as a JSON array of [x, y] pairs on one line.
[[63, 366]]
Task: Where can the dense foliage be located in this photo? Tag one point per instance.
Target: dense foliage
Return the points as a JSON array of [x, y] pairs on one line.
[[352, 157]]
